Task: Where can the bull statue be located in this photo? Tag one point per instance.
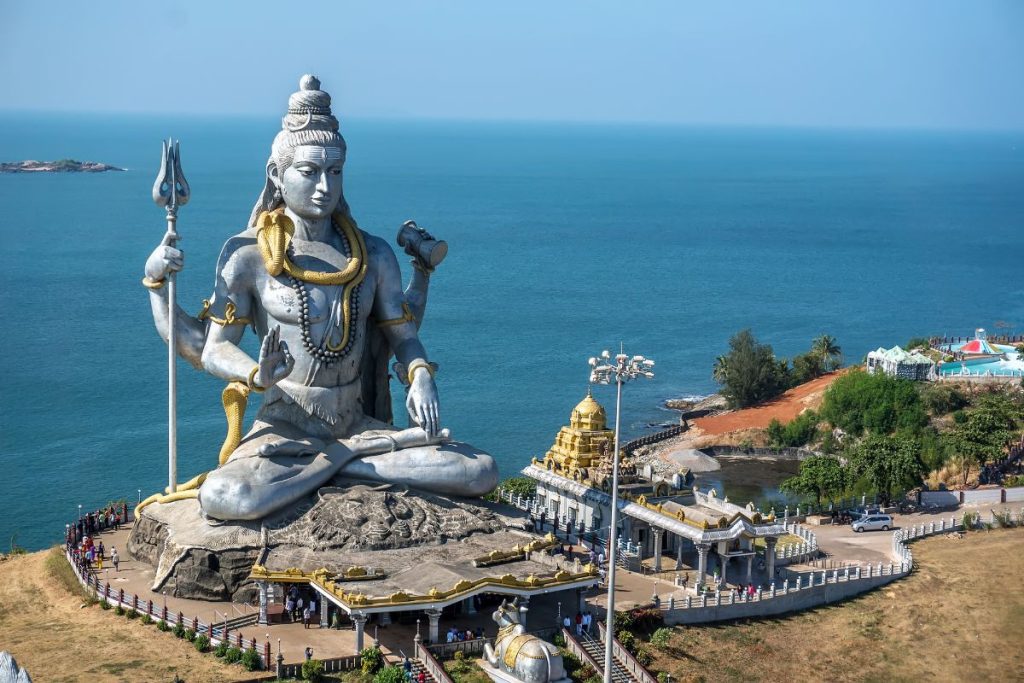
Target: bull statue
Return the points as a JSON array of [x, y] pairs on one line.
[[518, 656]]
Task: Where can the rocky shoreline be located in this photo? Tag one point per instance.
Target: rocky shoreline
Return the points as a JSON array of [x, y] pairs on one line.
[[61, 166]]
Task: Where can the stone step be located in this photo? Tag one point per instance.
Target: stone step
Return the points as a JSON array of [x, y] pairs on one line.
[[595, 649]]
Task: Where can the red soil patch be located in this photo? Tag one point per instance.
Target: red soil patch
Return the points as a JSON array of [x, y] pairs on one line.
[[784, 408]]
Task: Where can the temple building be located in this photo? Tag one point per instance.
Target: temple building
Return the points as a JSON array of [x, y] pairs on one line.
[[658, 515]]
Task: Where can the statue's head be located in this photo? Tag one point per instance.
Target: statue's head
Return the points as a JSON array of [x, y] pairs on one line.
[[304, 170]]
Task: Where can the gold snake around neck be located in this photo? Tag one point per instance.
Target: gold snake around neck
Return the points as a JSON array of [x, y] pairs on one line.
[[274, 235]]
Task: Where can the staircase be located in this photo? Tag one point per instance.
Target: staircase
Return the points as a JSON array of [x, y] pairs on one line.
[[595, 648], [417, 667]]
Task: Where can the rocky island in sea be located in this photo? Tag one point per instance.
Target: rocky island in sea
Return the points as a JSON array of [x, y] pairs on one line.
[[62, 166]]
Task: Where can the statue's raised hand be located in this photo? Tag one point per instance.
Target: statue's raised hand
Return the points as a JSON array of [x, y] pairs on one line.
[[276, 361], [421, 402], [165, 259]]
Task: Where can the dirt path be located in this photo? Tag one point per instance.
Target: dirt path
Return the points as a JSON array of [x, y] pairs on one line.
[[51, 634], [958, 617], [783, 409]]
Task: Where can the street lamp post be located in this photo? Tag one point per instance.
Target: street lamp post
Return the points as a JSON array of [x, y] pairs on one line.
[[605, 370]]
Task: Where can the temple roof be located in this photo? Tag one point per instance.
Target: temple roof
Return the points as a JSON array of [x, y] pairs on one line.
[[588, 415]]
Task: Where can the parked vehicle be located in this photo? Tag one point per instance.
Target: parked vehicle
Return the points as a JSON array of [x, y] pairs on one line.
[[873, 523]]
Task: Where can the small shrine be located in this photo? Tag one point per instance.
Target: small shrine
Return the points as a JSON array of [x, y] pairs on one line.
[[584, 443]]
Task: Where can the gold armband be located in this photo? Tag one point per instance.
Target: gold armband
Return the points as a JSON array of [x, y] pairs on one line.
[[416, 365], [407, 317], [153, 284], [251, 381], [229, 315]]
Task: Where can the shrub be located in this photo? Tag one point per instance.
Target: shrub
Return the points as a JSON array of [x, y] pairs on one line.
[[623, 620], [146, 619], [800, 431], [661, 638], [179, 630], [104, 604], [251, 660], [232, 655], [627, 640], [313, 670], [221, 649], [190, 635], [389, 674], [373, 660], [1014, 481], [663, 677], [643, 656], [162, 626], [201, 643], [878, 404], [119, 610], [647, 619], [133, 614]]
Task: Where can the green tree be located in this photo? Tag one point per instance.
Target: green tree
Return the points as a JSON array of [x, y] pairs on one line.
[[828, 350], [807, 366], [918, 343], [750, 373], [821, 476], [983, 433], [878, 404], [890, 464]]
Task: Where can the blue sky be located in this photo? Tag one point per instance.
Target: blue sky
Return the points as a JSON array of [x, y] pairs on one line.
[[913, 63]]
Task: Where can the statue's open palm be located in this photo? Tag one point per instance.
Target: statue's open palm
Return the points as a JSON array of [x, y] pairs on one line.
[[422, 402], [276, 361]]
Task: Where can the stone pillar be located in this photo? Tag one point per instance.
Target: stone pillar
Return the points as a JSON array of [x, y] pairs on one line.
[[581, 600], [750, 569], [679, 553], [324, 613], [723, 562], [434, 615], [702, 564], [359, 619], [658, 533], [470, 605], [769, 557], [524, 607], [261, 586]]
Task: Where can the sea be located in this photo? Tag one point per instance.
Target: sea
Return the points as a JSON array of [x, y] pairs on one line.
[[564, 240]]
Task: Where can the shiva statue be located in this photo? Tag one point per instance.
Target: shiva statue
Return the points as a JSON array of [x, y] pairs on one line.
[[326, 302]]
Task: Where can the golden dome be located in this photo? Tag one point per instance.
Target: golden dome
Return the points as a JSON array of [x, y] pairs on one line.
[[588, 415]]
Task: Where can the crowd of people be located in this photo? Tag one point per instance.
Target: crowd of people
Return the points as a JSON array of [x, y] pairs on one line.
[[80, 538], [583, 623]]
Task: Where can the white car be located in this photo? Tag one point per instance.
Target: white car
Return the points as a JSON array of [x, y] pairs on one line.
[[873, 522]]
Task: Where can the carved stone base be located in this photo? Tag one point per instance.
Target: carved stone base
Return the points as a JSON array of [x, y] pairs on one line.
[[198, 559]]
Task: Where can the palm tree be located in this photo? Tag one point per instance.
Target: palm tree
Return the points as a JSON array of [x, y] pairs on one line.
[[825, 347], [721, 369]]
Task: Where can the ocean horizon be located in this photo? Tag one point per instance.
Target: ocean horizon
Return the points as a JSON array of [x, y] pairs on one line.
[[564, 240]]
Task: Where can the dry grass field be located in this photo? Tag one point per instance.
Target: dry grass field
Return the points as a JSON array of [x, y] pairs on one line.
[[959, 617], [44, 624]]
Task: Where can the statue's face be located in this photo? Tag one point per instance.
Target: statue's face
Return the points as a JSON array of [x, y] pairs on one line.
[[311, 186]]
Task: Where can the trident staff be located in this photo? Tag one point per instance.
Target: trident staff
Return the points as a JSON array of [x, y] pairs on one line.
[[171, 191]]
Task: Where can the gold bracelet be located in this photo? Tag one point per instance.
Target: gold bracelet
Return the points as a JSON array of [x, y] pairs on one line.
[[153, 284], [251, 382], [416, 365]]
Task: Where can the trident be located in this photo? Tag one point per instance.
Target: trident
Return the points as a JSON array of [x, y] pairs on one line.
[[171, 191]]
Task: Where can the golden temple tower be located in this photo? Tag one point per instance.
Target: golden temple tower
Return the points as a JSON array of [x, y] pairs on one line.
[[580, 445]]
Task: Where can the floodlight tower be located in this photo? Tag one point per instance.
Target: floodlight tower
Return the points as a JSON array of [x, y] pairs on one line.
[[605, 370]]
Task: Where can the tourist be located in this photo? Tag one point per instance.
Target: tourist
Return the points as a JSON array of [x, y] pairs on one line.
[[305, 618], [479, 631], [451, 636], [579, 623], [600, 559], [567, 622], [99, 561], [289, 608], [336, 620], [103, 551], [115, 559], [309, 653], [421, 677], [407, 666], [587, 620], [601, 573], [312, 607], [298, 607], [469, 634]]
